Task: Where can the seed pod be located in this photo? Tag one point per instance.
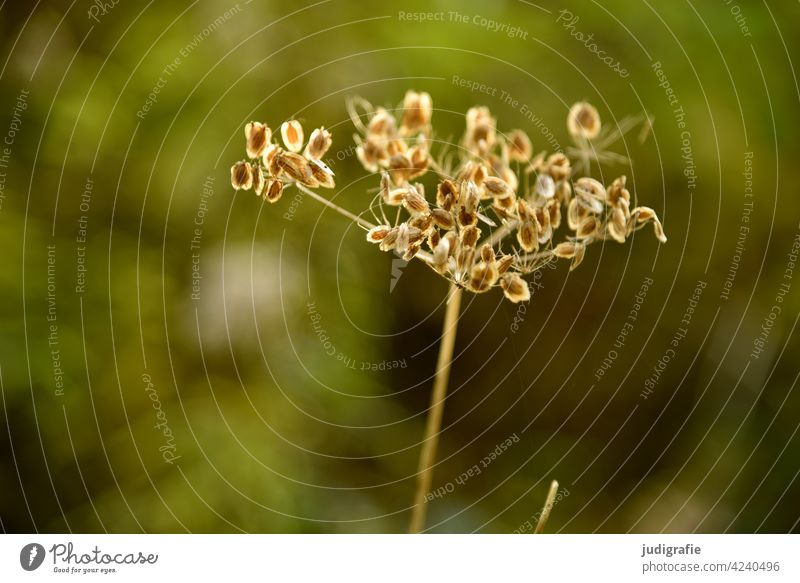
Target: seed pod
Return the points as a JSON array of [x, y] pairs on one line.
[[417, 111], [423, 223], [617, 193], [273, 191], [590, 194], [564, 191], [659, 230], [617, 224], [292, 135], [469, 196], [399, 168], [258, 136], [469, 236], [242, 176], [322, 173], [478, 174], [440, 255], [570, 250], [545, 228], [515, 288], [545, 186], [269, 158], [412, 250], [443, 219], [403, 238], [319, 143], [487, 253], [528, 236], [388, 242], [583, 121], [378, 234], [446, 194], [519, 146], [558, 166], [259, 181], [415, 203], [643, 214], [587, 228], [504, 263], [482, 277], [382, 124], [396, 196], [553, 208], [496, 187], [297, 168]]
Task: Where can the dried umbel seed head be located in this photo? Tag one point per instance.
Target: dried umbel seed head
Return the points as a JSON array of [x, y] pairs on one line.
[[583, 121], [242, 176], [258, 136], [515, 288], [318, 144], [519, 146], [292, 135], [273, 191], [417, 111]]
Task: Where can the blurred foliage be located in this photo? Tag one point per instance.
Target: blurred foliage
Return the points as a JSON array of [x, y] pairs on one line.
[[275, 435]]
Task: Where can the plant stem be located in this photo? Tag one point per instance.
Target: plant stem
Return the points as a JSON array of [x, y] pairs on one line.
[[548, 505], [334, 206], [434, 423]]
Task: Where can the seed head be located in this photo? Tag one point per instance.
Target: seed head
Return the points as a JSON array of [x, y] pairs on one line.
[[583, 121]]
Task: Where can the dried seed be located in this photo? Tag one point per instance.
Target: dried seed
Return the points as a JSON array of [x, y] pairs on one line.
[[583, 121], [545, 186], [443, 219], [515, 288], [388, 242], [297, 168], [318, 144], [399, 168], [269, 158], [504, 263], [469, 236], [440, 255], [382, 124], [497, 187], [274, 191], [446, 194], [415, 203], [617, 226], [482, 277], [558, 166], [258, 136], [519, 146], [242, 176], [528, 236], [417, 111], [322, 173], [587, 228], [259, 181], [617, 193], [292, 135], [554, 209], [487, 253], [378, 234]]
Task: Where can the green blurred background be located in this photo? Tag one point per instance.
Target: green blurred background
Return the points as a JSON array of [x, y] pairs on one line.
[[271, 433]]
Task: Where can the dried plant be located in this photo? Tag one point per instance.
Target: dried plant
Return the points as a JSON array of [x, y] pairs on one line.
[[493, 219]]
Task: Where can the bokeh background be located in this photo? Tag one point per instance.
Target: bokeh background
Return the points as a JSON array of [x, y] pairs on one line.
[[268, 432]]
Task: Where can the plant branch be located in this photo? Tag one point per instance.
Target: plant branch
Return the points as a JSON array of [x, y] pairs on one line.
[[433, 426]]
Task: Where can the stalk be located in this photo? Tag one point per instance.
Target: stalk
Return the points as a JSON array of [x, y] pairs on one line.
[[548, 506], [434, 422]]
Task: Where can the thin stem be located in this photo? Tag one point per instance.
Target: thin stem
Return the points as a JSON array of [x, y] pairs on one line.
[[434, 423], [334, 206], [548, 506]]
